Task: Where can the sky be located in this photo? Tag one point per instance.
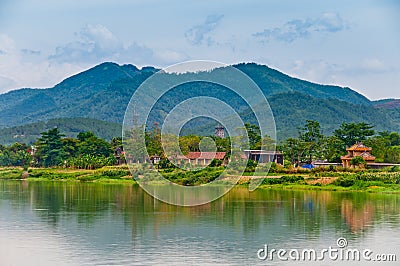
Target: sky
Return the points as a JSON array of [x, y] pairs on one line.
[[348, 43]]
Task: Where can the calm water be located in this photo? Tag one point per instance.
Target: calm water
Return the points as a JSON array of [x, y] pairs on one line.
[[55, 223]]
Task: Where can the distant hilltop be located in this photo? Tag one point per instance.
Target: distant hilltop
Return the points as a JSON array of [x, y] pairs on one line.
[[103, 92]]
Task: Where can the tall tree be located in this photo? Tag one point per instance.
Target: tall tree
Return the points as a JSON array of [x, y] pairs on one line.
[[50, 150], [393, 154], [333, 149], [5, 158], [189, 143], [153, 140], [90, 144], [70, 146], [384, 146], [223, 144], [310, 134], [351, 133], [19, 155], [294, 149], [16, 155], [254, 133], [134, 145], [116, 142]]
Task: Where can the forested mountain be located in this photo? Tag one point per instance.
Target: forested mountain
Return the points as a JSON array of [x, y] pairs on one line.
[[387, 103], [273, 82], [100, 93], [104, 91], [291, 108]]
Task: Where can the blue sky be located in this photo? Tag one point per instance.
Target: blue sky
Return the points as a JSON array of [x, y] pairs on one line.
[[348, 43]]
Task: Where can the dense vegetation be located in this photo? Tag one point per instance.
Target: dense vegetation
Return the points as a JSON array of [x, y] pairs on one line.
[[89, 158], [103, 93], [312, 145], [87, 151], [103, 174]]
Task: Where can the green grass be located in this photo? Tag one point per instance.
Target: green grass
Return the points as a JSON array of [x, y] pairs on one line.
[[192, 178], [369, 181], [10, 173], [105, 174], [388, 189]]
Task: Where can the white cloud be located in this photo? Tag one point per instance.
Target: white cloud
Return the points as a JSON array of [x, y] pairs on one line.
[[6, 44], [94, 43], [303, 28], [367, 67], [325, 72], [373, 65], [319, 71], [199, 34], [6, 82], [136, 53], [346, 75], [28, 68], [171, 57]]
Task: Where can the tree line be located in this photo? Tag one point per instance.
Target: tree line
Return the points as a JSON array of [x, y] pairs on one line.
[[87, 151], [311, 144]]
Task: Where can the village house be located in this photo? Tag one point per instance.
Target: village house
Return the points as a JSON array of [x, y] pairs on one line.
[[263, 156], [202, 158], [360, 150], [155, 159]]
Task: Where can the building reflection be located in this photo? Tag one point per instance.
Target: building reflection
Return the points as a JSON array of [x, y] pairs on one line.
[[357, 217]]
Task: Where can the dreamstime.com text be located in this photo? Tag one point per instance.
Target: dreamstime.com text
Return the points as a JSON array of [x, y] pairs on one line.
[[338, 253]]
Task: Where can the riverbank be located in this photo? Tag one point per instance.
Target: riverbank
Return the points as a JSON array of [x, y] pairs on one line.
[[111, 174], [375, 182]]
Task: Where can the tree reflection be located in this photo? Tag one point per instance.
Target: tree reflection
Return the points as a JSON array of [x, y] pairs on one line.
[[281, 212]]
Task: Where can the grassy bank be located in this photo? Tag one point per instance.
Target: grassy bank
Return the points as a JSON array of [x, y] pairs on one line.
[[109, 174], [381, 182], [369, 181]]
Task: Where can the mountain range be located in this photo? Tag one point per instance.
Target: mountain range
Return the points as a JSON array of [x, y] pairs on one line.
[[103, 92]]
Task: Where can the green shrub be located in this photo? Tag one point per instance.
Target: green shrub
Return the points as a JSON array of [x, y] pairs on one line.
[[357, 161], [283, 180], [114, 173], [11, 174], [344, 181], [87, 178]]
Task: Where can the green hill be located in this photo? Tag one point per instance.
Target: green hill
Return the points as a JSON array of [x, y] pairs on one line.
[[291, 110], [273, 82], [103, 92]]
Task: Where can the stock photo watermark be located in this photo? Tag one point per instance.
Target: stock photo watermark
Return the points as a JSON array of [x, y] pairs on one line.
[[340, 252], [168, 99]]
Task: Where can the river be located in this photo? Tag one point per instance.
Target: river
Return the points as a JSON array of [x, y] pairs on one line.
[[76, 223]]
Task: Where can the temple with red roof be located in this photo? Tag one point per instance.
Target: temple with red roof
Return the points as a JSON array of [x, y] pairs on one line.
[[357, 149]]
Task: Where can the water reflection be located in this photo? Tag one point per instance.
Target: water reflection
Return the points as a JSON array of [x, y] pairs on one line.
[[121, 224]]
